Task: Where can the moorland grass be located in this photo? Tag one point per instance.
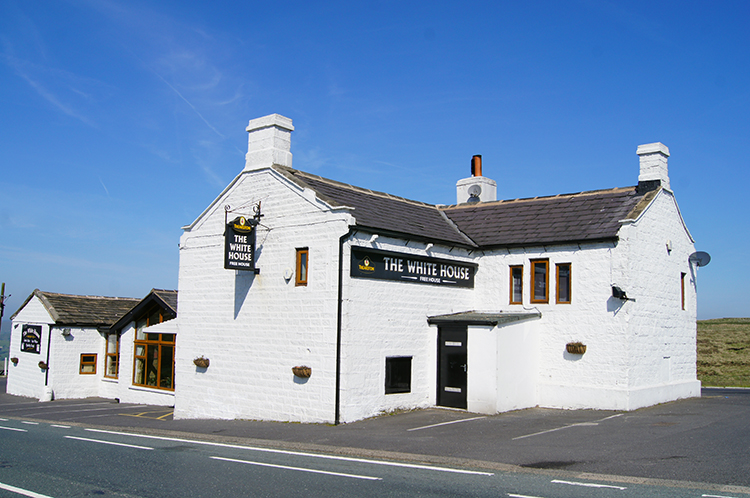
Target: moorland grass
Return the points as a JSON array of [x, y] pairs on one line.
[[724, 352]]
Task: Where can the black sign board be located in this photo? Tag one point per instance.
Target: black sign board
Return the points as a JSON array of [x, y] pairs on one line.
[[31, 339], [239, 244], [386, 265]]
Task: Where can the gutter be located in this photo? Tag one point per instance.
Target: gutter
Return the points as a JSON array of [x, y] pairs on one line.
[[339, 320]]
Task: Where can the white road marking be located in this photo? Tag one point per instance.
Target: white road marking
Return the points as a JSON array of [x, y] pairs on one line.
[[444, 423], [109, 442], [580, 424], [298, 453], [716, 496], [588, 484], [522, 496], [12, 429], [60, 426], [299, 469], [29, 423], [23, 492]]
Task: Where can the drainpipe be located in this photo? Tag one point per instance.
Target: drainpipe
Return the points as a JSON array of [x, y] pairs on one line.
[[339, 320], [49, 344]]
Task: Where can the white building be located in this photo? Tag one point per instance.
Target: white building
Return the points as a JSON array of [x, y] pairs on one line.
[[388, 303], [397, 304], [67, 346]]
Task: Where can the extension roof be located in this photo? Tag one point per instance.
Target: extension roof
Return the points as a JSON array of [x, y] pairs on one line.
[[91, 311], [580, 217], [165, 299]]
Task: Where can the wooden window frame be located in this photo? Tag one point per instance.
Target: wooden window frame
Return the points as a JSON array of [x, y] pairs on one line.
[[570, 283], [300, 277], [682, 288], [512, 284], [532, 287], [157, 344], [114, 357], [91, 357], [150, 342]]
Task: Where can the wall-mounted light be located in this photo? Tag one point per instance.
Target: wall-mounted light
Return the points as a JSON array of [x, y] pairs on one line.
[[618, 293], [65, 332], [374, 238]]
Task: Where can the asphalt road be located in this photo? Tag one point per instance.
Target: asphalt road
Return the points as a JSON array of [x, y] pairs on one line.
[[705, 440], [45, 460]]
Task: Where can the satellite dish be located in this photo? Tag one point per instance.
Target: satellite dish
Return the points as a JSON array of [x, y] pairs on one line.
[[475, 190], [699, 258]]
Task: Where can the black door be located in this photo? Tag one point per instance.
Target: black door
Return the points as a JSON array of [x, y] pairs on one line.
[[452, 366]]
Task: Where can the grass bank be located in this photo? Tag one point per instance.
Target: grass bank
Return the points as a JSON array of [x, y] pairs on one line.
[[724, 352]]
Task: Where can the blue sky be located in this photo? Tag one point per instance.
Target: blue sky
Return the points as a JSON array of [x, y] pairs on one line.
[[120, 121]]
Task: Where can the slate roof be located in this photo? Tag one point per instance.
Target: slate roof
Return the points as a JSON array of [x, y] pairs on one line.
[[484, 317], [580, 217], [166, 299], [381, 211], [95, 311]]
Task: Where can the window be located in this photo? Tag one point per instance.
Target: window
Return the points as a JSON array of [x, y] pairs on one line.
[[398, 375], [301, 278], [516, 284], [563, 283], [539, 281], [88, 364], [682, 288], [154, 354], [111, 364]]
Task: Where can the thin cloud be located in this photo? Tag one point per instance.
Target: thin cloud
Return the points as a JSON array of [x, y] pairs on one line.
[[190, 104], [48, 95]]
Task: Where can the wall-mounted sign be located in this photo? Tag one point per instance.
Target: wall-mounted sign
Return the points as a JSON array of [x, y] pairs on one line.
[[239, 244], [31, 338], [386, 265]]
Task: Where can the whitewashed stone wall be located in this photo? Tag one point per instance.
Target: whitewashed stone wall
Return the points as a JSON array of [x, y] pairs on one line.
[[26, 378], [386, 318], [661, 335], [65, 359], [255, 328]]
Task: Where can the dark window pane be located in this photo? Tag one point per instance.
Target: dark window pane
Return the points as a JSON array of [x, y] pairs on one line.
[[563, 283], [398, 375], [517, 296]]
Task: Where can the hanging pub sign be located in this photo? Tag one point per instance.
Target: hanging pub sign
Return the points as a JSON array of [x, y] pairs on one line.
[[239, 244], [31, 338], [386, 265]]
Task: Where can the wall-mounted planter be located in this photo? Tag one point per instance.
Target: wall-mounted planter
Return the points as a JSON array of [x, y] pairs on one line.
[[202, 362], [302, 372], [575, 347], [43, 365], [14, 360]]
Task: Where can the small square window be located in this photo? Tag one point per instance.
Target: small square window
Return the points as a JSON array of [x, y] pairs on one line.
[[301, 276], [398, 375], [88, 364]]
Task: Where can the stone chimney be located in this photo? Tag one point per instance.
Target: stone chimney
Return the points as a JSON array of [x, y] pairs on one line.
[[654, 171], [476, 188], [269, 142]]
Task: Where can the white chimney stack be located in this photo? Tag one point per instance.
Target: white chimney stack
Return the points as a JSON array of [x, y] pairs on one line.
[[269, 142], [653, 164], [476, 188]]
